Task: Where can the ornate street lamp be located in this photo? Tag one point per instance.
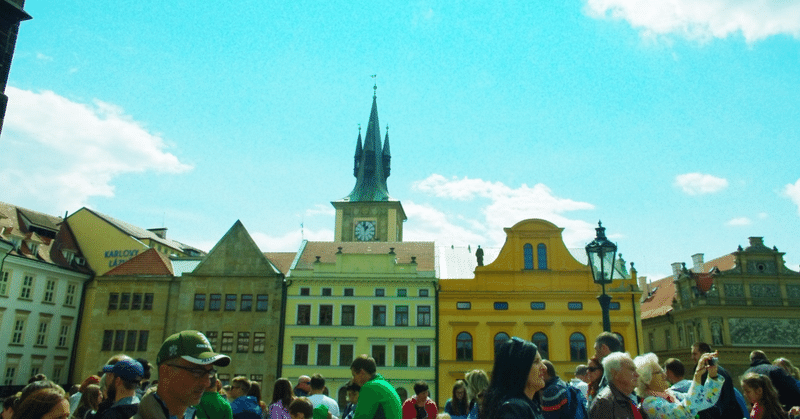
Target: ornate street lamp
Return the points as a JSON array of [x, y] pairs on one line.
[[602, 254]]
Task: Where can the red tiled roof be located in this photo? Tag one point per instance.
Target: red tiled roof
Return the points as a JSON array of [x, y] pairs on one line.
[[149, 262], [423, 251], [281, 260]]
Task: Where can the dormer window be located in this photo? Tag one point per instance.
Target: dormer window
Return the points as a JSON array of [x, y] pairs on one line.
[[34, 247], [17, 242], [68, 255]]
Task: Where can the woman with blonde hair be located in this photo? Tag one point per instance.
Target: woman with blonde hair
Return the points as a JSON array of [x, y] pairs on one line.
[[477, 382]]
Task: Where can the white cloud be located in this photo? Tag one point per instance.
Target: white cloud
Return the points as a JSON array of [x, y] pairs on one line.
[[73, 151], [42, 57], [703, 20], [739, 221], [321, 209], [793, 192], [699, 183], [504, 206], [289, 242]]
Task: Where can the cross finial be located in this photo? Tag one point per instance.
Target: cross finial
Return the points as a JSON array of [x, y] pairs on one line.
[[359, 128], [375, 86]]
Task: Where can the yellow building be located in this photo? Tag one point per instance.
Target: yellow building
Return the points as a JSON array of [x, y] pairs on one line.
[[234, 295], [535, 289]]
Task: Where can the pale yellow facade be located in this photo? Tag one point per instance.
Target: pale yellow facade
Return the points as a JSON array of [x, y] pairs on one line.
[[552, 295]]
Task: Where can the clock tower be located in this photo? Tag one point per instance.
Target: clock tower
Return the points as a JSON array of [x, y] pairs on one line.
[[369, 213]]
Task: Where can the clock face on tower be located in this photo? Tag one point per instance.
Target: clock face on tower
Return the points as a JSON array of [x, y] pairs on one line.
[[365, 230]]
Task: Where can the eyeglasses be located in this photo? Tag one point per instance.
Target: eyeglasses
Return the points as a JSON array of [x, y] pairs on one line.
[[196, 372]]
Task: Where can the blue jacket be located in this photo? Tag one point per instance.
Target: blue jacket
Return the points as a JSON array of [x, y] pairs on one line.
[[246, 407]]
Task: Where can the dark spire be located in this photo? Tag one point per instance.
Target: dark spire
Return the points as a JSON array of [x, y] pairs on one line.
[[386, 156], [372, 163], [359, 150]]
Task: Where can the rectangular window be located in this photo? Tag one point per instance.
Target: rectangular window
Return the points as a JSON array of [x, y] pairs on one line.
[[212, 339], [401, 316], [215, 302], [379, 355], [230, 302], [423, 356], [304, 314], [463, 305], [423, 315], [63, 336], [379, 315], [402, 292], [148, 301], [259, 340], [348, 292], [11, 372], [501, 305], [41, 335], [348, 315], [27, 288], [4, 278], [144, 335], [130, 342], [262, 302], [57, 374], [257, 378], [243, 342], [380, 292], [69, 299], [247, 302], [575, 305], [400, 356], [108, 340], [301, 354], [305, 291], [119, 340], [125, 301], [113, 301], [199, 302], [345, 355], [227, 342], [49, 289], [326, 292], [323, 354], [325, 315], [423, 293], [613, 305], [19, 332], [537, 305], [136, 302]]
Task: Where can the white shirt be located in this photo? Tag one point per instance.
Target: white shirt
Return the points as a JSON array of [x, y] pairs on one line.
[[318, 399], [580, 385]]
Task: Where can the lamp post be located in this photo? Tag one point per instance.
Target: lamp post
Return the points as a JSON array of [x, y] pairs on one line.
[[602, 254]]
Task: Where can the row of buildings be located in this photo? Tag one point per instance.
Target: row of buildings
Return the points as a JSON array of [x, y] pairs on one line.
[[78, 289]]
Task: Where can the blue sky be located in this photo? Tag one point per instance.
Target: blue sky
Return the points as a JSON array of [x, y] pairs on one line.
[[675, 123]]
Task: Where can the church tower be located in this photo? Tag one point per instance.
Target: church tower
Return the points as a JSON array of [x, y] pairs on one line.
[[369, 213]]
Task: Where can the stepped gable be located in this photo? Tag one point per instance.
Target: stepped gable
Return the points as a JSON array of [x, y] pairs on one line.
[[149, 262], [236, 254]]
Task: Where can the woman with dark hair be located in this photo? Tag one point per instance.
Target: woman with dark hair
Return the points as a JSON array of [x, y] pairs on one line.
[[255, 391], [762, 397], [282, 396], [595, 374], [89, 402], [42, 400], [458, 407], [516, 377]]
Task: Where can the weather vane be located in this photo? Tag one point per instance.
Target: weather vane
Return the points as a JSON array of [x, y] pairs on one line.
[[375, 87]]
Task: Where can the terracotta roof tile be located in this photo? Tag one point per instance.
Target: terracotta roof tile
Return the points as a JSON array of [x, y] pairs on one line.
[[149, 262], [281, 260], [423, 251]]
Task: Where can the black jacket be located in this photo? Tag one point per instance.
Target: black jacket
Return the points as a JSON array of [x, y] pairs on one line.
[[788, 392], [726, 407]]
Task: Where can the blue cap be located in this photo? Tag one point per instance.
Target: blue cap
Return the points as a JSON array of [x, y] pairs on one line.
[[128, 369]]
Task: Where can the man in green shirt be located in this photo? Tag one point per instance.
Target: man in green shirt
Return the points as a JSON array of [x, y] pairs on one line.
[[377, 399], [213, 405]]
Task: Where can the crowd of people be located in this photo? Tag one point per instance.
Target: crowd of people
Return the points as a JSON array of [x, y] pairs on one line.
[[523, 385]]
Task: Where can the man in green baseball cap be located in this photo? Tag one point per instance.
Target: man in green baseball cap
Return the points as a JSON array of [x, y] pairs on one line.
[[185, 362]]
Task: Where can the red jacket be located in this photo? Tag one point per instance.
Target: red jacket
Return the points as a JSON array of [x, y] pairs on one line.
[[410, 411]]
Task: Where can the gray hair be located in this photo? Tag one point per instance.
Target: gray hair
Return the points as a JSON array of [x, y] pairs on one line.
[[612, 364], [645, 366]]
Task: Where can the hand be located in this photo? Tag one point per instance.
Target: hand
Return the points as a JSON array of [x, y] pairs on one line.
[[703, 366]]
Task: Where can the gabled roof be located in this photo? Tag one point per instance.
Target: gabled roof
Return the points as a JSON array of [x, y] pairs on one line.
[[281, 260], [423, 252], [236, 254], [149, 262], [662, 291]]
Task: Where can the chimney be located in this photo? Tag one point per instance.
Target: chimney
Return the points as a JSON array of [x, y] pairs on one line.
[[643, 284], [160, 232], [676, 269], [697, 260]]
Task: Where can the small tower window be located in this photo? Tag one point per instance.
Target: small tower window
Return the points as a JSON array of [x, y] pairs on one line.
[[527, 251], [541, 255]]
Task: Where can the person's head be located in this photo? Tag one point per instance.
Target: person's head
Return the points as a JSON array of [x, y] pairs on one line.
[[674, 369], [605, 344], [549, 370], [363, 369], [353, 391], [304, 383], [317, 383], [651, 375], [255, 390], [92, 379], [301, 408], [124, 378], [185, 364], [8, 406], [91, 396], [240, 386], [620, 370], [421, 389], [594, 371], [518, 372], [146, 367], [477, 383], [698, 349], [37, 377], [282, 390], [42, 400], [758, 356], [460, 390], [759, 388], [581, 371], [788, 367]]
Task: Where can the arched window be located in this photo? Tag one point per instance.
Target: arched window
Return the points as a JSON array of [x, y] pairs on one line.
[[541, 255], [577, 347], [527, 251], [540, 340], [464, 347], [500, 339]]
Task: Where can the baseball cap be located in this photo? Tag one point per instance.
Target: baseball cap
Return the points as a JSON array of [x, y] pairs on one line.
[[128, 369], [192, 346]]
